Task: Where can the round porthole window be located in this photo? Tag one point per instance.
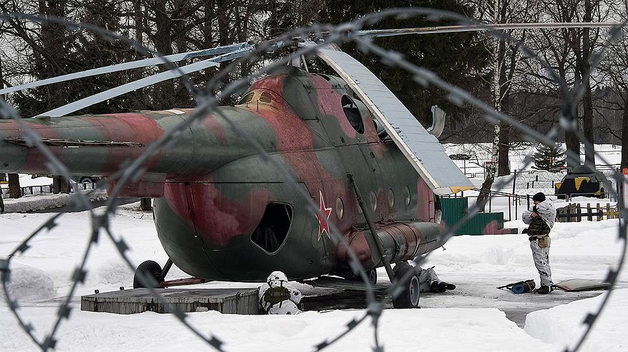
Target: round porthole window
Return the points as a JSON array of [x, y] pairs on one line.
[[391, 198], [373, 201], [340, 208], [406, 195]]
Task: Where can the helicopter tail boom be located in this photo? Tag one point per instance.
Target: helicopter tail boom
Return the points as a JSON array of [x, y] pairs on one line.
[[99, 145]]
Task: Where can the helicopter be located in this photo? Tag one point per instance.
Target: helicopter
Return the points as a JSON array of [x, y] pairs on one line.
[[223, 212]]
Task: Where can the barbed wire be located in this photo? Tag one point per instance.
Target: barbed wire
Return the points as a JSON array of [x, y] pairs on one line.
[[207, 101]]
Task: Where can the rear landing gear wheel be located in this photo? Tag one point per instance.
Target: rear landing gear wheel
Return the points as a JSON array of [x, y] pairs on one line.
[[372, 274], [409, 297], [151, 272]]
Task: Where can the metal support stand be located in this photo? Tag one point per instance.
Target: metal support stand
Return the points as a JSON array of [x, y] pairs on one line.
[[166, 269], [373, 241]]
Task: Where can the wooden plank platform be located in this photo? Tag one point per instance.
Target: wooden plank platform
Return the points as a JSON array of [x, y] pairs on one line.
[[223, 300]]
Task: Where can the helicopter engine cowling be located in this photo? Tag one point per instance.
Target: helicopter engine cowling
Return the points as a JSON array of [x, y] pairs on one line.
[[401, 241]]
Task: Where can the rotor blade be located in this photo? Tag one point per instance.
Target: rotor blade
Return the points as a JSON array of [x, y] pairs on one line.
[[483, 27], [129, 65], [420, 148], [144, 82]]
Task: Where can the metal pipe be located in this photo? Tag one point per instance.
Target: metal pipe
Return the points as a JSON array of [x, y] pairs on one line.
[[166, 269], [373, 240]]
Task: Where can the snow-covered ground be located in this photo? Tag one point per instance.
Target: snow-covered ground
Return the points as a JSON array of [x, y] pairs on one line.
[[474, 317]]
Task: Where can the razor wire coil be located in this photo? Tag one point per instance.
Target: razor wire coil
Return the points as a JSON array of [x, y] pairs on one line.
[[207, 101]]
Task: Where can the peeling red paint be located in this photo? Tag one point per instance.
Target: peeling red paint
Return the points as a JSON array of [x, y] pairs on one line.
[[216, 217]]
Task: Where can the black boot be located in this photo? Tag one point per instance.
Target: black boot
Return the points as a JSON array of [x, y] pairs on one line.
[[436, 287], [449, 286], [543, 290]]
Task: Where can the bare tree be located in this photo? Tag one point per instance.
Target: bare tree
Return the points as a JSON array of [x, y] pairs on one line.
[[614, 75]]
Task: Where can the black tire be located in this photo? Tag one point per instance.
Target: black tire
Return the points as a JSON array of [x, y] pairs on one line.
[[88, 180], [372, 274], [411, 294], [151, 271]]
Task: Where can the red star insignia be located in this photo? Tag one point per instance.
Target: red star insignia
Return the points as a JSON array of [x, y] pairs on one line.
[[323, 217]]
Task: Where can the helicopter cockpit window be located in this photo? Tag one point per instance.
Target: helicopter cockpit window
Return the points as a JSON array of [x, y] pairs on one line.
[[352, 113], [265, 98], [272, 231], [246, 99]]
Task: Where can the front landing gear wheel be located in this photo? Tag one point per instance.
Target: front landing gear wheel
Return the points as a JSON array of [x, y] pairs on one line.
[[151, 271], [409, 297]]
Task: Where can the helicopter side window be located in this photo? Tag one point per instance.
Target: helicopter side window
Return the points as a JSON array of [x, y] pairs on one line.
[[352, 113], [265, 98], [246, 99]]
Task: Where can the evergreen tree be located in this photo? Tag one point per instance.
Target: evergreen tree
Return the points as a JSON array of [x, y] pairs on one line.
[[458, 58], [549, 158]]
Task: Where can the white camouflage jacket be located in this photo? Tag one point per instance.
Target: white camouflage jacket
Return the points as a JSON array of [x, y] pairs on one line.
[[545, 210]]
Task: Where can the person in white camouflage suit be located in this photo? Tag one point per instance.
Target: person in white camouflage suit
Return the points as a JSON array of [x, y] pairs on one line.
[[277, 296], [429, 282], [541, 220]]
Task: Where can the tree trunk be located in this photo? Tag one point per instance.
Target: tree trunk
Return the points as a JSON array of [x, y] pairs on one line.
[[165, 91], [504, 133], [573, 144], [624, 134], [65, 185], [15, 190], [587, 99], [56, 185], [498, 62], [504, 148], [60, 185], [146, 204], [587, 122]]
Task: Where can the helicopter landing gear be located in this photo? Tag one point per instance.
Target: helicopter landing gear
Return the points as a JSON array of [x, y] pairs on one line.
[[152, 272], [372, 274], [409, 297]]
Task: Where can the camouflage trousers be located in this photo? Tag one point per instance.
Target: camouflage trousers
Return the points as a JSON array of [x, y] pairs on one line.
[[541, 261], [426, 277]]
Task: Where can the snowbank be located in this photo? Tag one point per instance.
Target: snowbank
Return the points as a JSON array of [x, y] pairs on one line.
[[436, 330], [561, 325], [40, 202], [30, 284], [465, 319]]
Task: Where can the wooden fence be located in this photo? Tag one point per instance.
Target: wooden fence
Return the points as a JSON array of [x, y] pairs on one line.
[[575, 213]]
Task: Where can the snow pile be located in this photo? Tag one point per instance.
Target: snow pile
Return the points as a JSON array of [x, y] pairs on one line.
[[466, 318], [52, 201], [438, 330], [561, 325], [30, 284]]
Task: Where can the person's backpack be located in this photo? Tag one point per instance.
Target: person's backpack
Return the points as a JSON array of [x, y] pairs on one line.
[[274, 295]]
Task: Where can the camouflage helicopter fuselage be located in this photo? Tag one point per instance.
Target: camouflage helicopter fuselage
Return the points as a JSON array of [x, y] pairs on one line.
[[222, 211]]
